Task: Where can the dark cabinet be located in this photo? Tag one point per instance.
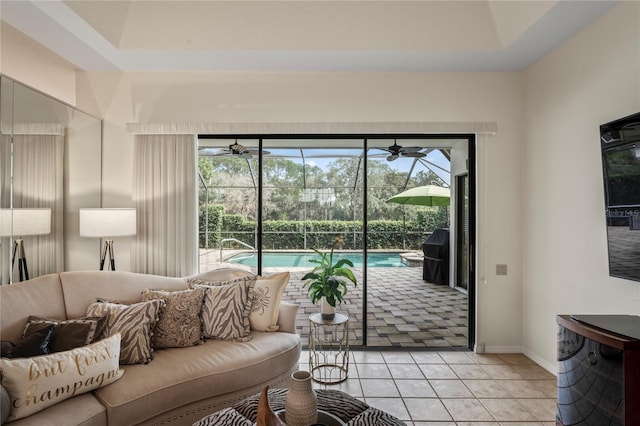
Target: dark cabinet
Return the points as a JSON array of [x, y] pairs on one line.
[[599, 370]]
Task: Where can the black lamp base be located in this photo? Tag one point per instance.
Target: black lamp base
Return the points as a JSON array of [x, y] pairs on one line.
[[108, 247], [18, 250]]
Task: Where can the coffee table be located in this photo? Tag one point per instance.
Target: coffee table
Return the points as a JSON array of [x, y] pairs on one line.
[[347, 409], [324, 418]]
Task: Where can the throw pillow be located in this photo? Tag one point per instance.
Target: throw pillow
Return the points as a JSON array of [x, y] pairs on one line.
[[34, 344], [267, 294], [134, 322], [226, 308], [179, 323], [68, 334], [6, 347], [42, 381]]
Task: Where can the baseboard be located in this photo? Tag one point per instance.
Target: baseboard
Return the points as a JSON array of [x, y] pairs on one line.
[[550, 367], [488, 349]]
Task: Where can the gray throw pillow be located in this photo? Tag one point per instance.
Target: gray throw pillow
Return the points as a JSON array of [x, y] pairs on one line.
[[135, 324], [226, 308]]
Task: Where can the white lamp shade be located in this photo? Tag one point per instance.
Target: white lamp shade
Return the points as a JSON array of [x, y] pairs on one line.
[[107, 222], [22, 222]]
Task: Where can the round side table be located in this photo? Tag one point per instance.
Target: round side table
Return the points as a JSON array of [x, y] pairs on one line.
[[329, 348]]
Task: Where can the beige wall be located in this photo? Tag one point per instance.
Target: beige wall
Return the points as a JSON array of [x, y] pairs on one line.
[[592, 79], [30, 63]]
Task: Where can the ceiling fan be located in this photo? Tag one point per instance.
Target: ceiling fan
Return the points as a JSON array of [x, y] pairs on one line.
[[396, 151], [235, 149]]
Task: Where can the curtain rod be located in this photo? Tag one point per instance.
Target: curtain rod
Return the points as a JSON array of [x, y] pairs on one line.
[[301, 128]]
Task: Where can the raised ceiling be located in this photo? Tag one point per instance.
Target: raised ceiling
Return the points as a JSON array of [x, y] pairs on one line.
[[302, 35]]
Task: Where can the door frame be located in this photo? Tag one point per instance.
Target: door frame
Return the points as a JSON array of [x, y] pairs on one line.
[[471, 170]]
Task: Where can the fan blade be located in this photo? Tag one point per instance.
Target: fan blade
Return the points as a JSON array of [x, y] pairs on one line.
[[406, 149], [213, 152], [414, 154], [392, 157]]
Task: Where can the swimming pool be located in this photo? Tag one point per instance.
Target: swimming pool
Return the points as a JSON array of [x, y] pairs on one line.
[[301, 259]]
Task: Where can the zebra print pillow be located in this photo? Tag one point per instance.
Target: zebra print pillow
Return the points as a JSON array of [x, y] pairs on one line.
[[134, 323], [224, 417], [375, 417], [226, 308]]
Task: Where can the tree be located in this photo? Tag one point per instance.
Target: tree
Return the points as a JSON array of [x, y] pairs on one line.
[[293, 190]]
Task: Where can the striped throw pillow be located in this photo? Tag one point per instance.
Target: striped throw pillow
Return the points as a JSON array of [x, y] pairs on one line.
[[135, 324], [226, 308]]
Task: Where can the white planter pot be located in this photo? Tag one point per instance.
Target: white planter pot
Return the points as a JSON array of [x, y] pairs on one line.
[[327, 311]]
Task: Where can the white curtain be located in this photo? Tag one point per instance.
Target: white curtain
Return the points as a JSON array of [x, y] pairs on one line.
[[37, 183], [164, 193]]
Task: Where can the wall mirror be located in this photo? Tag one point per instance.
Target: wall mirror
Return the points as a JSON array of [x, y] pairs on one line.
[[50, 167]]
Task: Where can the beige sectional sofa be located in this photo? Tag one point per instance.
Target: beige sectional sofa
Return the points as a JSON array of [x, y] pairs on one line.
[[180, 385]]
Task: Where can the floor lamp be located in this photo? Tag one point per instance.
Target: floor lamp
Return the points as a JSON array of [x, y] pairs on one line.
[[18, 223], [107, 223]]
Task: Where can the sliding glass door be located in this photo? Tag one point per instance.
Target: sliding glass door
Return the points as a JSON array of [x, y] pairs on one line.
[[269, 203]]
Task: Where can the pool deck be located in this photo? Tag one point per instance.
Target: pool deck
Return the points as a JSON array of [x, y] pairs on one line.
[[403, 310]]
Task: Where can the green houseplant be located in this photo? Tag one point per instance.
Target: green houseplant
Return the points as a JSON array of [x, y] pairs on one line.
[[328, 281]]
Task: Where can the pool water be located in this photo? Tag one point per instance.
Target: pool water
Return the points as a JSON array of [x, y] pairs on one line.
[[301, 259]]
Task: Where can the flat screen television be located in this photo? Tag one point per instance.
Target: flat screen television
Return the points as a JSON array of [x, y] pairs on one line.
[[620, 145]]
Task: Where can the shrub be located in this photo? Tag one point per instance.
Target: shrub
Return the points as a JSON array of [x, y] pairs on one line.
[[322, 234]]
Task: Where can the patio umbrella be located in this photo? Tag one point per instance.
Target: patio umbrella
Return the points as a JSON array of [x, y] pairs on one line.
[[428, 195]]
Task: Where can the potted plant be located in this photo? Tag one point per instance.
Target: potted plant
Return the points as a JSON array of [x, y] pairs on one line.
[[329, 282]]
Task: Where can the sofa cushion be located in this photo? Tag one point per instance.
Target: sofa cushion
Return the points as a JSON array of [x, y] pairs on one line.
[[42, 381], [42, 296], [265, 305], [84, 410], [68, 334], [179, 323], [222, 274], [82, 288], [212, 369], [134, 322], [226, 308]]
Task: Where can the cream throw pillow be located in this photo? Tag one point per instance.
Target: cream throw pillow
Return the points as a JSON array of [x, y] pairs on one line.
[[267, 294], [42, 381]]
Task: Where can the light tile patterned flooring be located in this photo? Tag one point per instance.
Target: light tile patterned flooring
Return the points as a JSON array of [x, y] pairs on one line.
[[451, 388]]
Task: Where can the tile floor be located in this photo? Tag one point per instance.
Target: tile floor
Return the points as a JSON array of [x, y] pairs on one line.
[[451, 388]]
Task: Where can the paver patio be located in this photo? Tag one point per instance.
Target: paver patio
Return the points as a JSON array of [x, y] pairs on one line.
[[403, 310]]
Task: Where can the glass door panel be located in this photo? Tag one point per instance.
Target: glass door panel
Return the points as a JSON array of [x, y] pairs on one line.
[[404, 310], [228, 194], [312, 200]]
